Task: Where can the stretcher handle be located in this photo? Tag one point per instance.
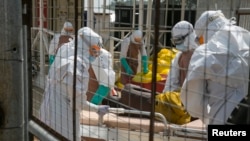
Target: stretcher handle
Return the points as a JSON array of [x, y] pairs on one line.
[[117, 110]]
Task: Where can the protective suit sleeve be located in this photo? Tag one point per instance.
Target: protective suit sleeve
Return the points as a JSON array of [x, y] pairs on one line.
[[143, 50], [128, 69], [124, 48], [103, 69], [192, 97], [145, 64], [100, 94], [53, 44], [172, 82]]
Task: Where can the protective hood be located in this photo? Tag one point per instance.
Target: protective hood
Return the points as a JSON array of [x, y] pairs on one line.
[[225, 55], [65, 55], [136, 37], [183, 32], [210, 22], [67, 29]]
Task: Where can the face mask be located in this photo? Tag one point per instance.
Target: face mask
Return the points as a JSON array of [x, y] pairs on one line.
[[181, 47], [92, 58]]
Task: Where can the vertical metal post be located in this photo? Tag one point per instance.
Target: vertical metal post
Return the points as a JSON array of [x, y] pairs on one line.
[[104, 13], [42, 60], [75, 66], [183, 4], [141, 15], [134, 12], [155, 51], [90, 14], [12, 81], [148, 26]]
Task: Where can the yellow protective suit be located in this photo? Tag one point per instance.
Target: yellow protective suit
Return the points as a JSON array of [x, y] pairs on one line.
[[169, 104]]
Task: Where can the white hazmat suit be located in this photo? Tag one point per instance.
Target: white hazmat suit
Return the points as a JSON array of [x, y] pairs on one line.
[[57, 107], [183, 37], [67, 31], [105, 75], [133, 56], [217, 78]]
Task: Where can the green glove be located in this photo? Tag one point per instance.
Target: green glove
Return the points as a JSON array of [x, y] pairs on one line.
[[126, 66], [145, 64], [100, 94], [51, 59]]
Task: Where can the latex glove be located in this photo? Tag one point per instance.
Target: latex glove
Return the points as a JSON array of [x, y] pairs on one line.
[[51, 59], [100, 94], [126, 66], [102, 110], [145, 64]]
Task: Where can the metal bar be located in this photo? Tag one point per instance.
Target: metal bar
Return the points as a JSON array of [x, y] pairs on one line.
[[27, 24], [183, 3], [148, 26], [155, 51], [27, 62], [43, 30], [42, 60], [74, 72], [90, 14], [133, 14], [141, 14], [41, 133], [104, 13], [243, 11]]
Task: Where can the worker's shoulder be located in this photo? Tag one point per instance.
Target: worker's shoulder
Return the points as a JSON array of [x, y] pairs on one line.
[[127, 39], [105, 52]]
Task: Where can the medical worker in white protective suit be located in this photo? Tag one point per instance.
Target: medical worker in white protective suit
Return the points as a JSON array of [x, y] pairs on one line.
[[56, 109], [133, 56], [102, 77], [183, 37], [217, 78], [59, 39]]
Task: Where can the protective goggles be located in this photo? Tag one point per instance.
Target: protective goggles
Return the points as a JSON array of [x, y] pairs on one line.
[[94, 50], [177, 40], [199, 40], [69, 29]]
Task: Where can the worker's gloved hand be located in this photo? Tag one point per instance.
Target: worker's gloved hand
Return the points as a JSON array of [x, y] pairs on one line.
[[102, 110], [145, 64], [51, 59], [100, 94], [126, 66]]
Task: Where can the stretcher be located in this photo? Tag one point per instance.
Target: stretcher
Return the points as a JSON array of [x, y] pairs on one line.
[[115, 127]]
